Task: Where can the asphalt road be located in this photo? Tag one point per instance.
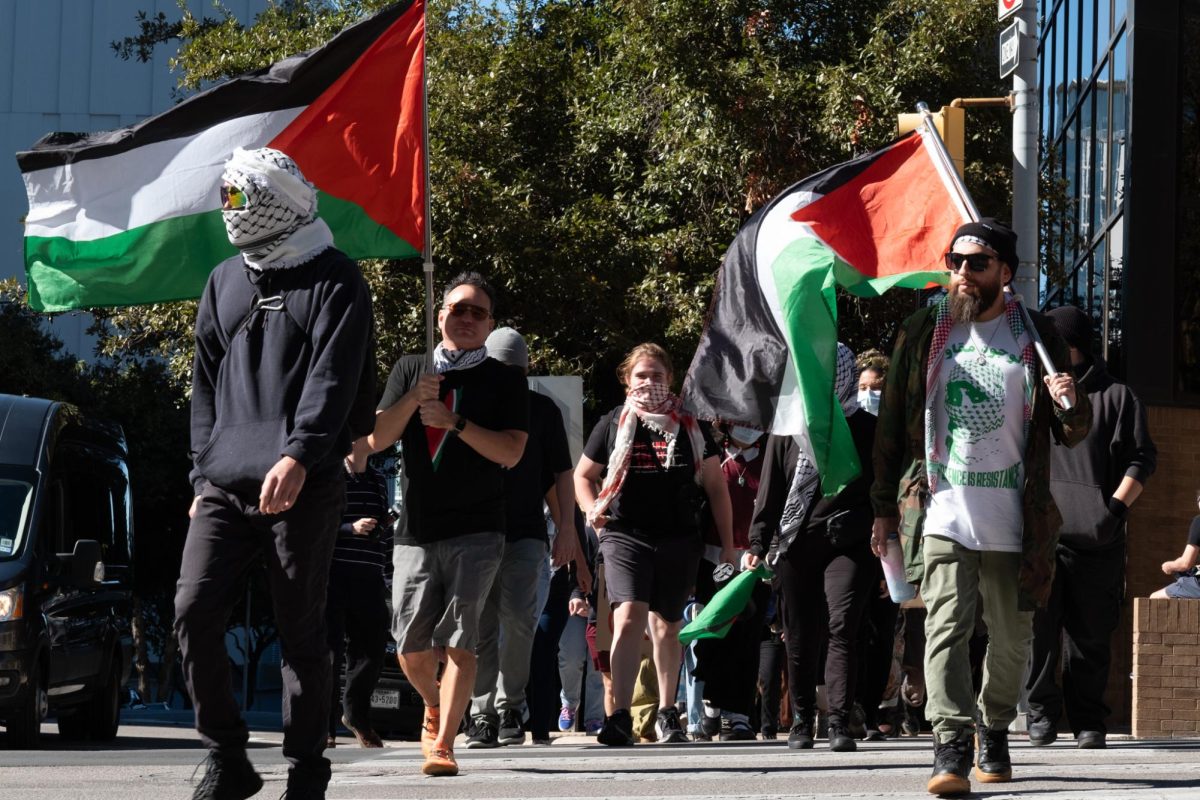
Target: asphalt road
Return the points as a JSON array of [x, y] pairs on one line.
[[157, 761]]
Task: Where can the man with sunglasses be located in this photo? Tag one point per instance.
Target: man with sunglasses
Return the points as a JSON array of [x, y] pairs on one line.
[[962, 458], [282, 384], [459, 428]]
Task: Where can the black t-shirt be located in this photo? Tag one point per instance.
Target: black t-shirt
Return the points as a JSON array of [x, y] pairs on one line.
[[1194, 532], [654, 497], [546, 454], [452, 489]]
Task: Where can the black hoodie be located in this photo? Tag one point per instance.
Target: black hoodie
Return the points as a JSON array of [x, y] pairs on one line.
[[283, 367], [1083, 478]]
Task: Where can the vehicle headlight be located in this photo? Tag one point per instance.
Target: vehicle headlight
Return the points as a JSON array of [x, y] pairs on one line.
[[11, 604]]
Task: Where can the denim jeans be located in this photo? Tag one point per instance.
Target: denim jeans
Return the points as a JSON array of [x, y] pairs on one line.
[[573, 663]]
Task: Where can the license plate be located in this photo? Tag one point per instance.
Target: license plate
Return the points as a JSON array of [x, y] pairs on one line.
[[385, 698]]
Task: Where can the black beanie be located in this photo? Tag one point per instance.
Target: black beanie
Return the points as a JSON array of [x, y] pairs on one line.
[[1074, 326], [994, 234]]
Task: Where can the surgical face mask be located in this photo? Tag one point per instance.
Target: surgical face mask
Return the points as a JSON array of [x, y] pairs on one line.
[[868, 400], [745, 435]]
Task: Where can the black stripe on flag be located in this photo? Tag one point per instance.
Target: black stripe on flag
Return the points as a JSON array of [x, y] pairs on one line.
[[293, 82]]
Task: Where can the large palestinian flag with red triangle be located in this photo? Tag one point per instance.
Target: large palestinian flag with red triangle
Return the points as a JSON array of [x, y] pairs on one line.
[[133, 215], [768, 353]]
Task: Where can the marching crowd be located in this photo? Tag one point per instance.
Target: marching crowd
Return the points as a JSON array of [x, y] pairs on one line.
[[999, 488]]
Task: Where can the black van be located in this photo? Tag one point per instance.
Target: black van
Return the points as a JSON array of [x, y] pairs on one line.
[[66, 548]]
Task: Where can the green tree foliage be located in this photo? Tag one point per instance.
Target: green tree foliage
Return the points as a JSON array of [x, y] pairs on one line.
[[596, 158]]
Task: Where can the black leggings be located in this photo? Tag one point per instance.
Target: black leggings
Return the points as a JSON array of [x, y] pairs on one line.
[[812, 577]]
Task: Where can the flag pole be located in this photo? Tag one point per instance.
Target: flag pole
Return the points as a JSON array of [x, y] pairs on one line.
[[428, 247], [948, 163]]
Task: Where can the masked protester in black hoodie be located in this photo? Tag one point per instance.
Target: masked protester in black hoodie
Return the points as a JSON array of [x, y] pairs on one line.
[[282, 384], [1093, 485]]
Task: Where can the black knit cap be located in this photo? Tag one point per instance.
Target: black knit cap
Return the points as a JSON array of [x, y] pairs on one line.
[[1074, 326], [996, 235]]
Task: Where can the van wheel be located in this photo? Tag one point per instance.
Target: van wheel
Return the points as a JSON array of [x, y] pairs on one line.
[[25, 722], [103, 711]]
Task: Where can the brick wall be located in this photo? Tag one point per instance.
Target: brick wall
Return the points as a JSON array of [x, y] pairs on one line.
[[1166, 680], [1158, 526]]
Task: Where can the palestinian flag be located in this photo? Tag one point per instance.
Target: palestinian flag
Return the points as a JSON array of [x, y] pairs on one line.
[[767, 355], [133, 215]]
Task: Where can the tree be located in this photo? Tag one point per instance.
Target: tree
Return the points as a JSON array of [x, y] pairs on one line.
[[596, 158]]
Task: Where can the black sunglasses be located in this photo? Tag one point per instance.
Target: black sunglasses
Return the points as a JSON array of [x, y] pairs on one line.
[[977, 262], [477, 313]]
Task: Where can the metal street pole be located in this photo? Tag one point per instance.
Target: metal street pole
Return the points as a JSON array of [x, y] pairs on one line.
[[1025, 156]]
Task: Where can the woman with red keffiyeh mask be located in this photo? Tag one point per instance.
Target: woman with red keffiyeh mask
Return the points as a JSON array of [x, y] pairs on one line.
[[645, 473]]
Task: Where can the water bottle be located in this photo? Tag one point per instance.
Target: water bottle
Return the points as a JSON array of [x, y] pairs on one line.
[[893, 570]]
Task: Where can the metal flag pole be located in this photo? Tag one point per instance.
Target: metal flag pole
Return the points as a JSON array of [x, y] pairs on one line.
[[428, 248], [948, 163]]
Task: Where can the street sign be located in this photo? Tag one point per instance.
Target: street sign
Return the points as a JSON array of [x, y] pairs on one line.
[[1010, 49], [1006, 8]]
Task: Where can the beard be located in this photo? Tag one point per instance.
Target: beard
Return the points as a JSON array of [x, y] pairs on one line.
[[965, 308]]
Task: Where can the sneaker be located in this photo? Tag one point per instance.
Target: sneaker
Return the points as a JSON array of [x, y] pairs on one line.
[[592, 726], [952, 766], [440, 761], [993, 764], [617, 730], [566, 718], [1091, 740], [482, 735], [840, 740], [1042, 731], [800, 737], [668, 728], [701, 735], [365, 735], [307, 781], [737, 731], [875, 735], [857, 724], [769, 734], [228, 776], [510, 731], [429, 728]]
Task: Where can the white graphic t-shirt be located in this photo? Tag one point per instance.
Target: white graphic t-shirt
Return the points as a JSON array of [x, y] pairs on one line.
[[981, 439]]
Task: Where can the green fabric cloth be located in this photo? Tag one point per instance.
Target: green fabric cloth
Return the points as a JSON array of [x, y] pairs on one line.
[[719, 615]]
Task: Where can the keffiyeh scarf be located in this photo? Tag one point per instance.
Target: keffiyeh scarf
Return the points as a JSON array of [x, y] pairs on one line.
[[659, 410], [943, 323], [446, 360]]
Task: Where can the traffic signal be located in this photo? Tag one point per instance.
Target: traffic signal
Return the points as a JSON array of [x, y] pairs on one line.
[[950, 122]]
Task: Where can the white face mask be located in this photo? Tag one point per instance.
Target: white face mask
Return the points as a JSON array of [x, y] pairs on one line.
[[745, 435], [868, 400]]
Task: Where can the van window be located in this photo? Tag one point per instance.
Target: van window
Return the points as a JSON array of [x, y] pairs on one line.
[[15, 500], [95, 500]]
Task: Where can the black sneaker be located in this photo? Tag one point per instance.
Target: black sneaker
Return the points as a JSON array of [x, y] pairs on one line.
[[800, 737], [307, 782], [993, 764], [701, 736], [737, 731], [482, 734], [952, 766], [840, 740], [617, 730], [228, 776], [668, 728], [510, 731], [1042, 731], [1091, 740]]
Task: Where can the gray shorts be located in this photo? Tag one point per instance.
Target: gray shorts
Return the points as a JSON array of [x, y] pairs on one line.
[[439, 589]]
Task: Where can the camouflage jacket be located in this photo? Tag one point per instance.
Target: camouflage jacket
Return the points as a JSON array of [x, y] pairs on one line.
[[901, 487]]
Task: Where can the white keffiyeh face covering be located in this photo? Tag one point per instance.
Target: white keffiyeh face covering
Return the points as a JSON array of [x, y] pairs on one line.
[[280, 201]]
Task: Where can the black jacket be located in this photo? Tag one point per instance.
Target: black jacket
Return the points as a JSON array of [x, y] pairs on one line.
[[283, 367], [1083, 478]]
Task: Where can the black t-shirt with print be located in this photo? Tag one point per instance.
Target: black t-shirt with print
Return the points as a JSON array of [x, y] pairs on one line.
[[452, 489], [651, 501]]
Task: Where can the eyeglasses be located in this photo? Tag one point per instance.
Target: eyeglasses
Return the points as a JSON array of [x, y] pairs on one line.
[[233, 198], [477, 313], [978, 262]]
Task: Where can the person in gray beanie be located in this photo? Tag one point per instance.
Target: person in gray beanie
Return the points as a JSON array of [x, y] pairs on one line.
[[510, 613], [1093, 485]]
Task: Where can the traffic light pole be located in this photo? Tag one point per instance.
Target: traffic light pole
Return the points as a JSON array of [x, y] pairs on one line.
[[1025, 156]]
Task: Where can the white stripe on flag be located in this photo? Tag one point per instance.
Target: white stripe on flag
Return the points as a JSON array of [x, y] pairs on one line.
[[100, 197]]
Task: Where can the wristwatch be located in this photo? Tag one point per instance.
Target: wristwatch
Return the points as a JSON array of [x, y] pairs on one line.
[[460, 425]]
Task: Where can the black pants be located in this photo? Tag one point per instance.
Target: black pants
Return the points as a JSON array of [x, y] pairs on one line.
[[729, 666], [226, 536], [772, 656], [877, 643], [357, 617], [542, 692], [811, 576], [1085, 605]]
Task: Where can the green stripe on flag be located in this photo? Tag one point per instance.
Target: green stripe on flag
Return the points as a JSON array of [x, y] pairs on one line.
[[171, 259]]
